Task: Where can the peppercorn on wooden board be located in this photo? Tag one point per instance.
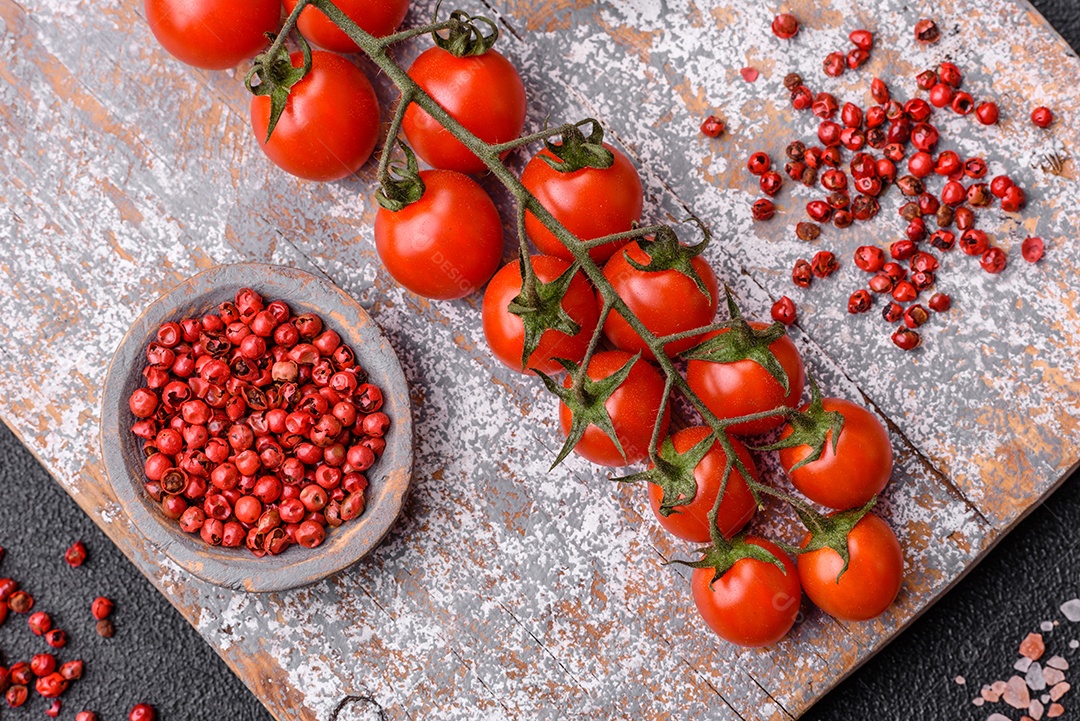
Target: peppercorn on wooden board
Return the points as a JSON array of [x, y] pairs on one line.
[[507, 591]]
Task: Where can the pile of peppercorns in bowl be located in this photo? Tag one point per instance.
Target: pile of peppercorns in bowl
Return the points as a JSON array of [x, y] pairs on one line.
[[889, 126], [239, 422]]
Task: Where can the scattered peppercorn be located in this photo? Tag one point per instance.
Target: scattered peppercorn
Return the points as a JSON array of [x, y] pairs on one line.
[[76, 555], [758, 163], [72, 670], [762, 209], [993, 260], [807, 231], [56, 638], [105, 628], [859, 302], [20, 602], [712, 126], [16, 696], [43, 664], [834, 64], [802, 274], [51, 686], [1013, 200], [770, 183], [40, 623], [906, 339], [102, 607], [927, 32], [862, 39], [1032, 249], [783, 310], [824, 264], [142, 712], [940, 302], [1042, 116], [785, 26], [21, 674], [915, 316], [987, 113]]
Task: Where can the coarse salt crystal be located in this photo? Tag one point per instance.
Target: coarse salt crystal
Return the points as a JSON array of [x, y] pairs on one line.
[[1059, 690], [1055, 710], [1016, 693], [1045, 698], [1058, 662], [1071, 609], [1022, 664], [960, 680], [1046, 626], [1034, 678], [998, 687], [1032, 646], [997, 717], [978, 701], [1053, 676], [1074, 644], [1035, 710]]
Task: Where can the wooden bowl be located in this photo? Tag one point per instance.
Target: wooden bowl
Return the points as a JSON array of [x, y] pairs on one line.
[[237, 568]]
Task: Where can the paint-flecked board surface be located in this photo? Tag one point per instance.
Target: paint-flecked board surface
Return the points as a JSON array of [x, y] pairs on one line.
[[506, 590]]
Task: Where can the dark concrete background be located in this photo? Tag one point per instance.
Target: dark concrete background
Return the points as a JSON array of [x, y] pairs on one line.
[[158, 658]]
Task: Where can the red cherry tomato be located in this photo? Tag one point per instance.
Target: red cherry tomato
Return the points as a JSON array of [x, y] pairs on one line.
[[754, 603], [445, 245], [377, 17], [654, 297], [330, 123], [856, 472], [505, 332], [482, 92], [632, 407], [212, 34], [590, 203], [871, 581], [737, 389], [690, 522]]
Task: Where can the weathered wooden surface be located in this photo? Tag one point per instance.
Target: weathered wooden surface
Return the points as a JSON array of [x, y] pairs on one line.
[[237, 568], [507, 591]]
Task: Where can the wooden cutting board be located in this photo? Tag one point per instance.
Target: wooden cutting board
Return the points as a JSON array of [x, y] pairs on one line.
[[505, 590]]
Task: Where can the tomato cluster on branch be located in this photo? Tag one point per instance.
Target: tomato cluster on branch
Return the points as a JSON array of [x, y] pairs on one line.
[[600, 277]]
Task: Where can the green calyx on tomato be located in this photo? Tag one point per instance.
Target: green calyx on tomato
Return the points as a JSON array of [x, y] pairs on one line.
[[576, 151], [831, 531], [743, 342], [402, 185], [673, 472], [540, 307], [463, 38], [811, 428], [587, 401], [667, 253], [721, 555], [276, 76]]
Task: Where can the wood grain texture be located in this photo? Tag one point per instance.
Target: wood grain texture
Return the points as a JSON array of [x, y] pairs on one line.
[[237, 568], [505, 590]]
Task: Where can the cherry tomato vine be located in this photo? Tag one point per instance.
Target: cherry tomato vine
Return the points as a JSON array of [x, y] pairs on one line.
[[656, 249]]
